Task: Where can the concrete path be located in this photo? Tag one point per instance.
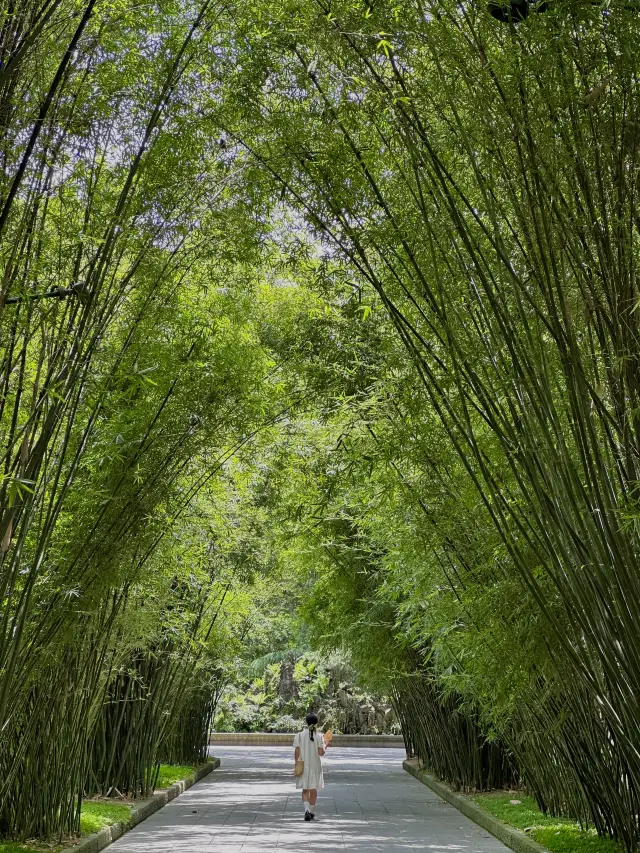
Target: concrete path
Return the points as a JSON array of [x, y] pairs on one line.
[[249, 805]]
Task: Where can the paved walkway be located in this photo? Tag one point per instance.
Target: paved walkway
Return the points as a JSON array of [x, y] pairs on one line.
[[249, 805]]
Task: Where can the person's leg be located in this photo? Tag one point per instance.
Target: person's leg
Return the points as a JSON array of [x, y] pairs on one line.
[[305, 802], [313, 799]]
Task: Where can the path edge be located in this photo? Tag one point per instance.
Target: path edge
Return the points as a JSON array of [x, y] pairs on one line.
[[509, 835], [108, 834]]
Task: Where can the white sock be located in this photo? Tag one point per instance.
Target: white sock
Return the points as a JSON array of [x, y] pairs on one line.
[[306, 806]]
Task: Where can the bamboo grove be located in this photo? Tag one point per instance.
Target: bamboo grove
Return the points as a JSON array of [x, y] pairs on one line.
[[347, 287], [122, 400]]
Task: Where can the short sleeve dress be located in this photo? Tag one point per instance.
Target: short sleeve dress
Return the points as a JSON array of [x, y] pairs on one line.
[[312, 776]]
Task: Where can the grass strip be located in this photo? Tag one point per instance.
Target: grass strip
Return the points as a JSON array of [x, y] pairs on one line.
[[560, 835], [171, 773], [96, 815], [14, 847]]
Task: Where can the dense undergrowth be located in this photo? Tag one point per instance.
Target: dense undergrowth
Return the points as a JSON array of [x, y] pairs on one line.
[[290, 685]]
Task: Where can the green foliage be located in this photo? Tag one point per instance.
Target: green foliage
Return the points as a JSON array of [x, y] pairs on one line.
[[346, 359], [294, 685], [465, 171]]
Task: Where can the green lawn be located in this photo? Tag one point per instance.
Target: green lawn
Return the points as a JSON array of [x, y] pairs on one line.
[[96, 815], [170, 773], [560, 835], [11, 847]]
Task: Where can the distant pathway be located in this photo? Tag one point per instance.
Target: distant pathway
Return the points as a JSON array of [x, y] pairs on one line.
[[249, 805]]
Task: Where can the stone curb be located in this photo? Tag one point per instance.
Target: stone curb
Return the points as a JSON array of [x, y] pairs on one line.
[[283, 739], [108, 834], [510, 836]]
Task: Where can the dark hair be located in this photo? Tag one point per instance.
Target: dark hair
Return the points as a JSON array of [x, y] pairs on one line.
[[312, 722]]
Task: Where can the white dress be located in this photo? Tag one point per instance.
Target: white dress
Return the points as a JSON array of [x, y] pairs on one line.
[[312, 776]]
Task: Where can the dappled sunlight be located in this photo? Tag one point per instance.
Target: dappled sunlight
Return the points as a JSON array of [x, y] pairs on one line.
[[250, 805]]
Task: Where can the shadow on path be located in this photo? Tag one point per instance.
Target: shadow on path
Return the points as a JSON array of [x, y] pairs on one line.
[[250, 805]]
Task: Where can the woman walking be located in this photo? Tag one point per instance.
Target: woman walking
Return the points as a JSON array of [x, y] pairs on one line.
[[309, 746]]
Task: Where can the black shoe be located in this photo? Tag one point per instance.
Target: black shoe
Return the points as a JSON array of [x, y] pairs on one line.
[[307, 816], [313, 817]]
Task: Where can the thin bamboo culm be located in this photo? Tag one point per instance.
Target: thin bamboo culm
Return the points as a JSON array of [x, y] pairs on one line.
[[448, 740]]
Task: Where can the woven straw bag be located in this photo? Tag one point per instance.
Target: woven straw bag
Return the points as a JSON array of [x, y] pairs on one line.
[[298, 770]]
